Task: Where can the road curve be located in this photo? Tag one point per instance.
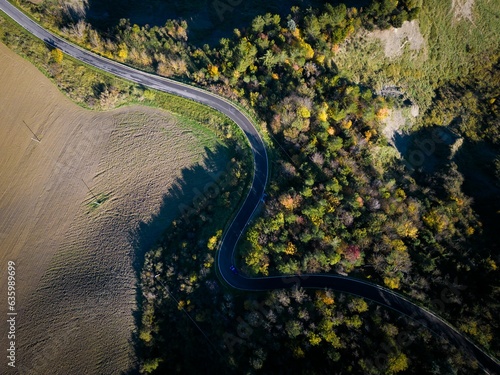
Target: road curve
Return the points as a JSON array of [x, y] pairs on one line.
[[232, 235]]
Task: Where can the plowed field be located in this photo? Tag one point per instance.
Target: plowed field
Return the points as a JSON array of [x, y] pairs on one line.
[[75, 277]]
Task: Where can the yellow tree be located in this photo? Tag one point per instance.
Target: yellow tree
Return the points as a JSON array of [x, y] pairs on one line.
[[122, 52], [290, 249], [397, 363], [213, 70], [57, 55]]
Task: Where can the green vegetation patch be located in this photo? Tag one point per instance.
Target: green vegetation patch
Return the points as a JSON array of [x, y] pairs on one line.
[[452, 47], [97, 201]]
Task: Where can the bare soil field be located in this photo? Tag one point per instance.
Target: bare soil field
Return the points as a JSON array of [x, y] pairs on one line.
[[394, 40], [463, 10], [75, 277]]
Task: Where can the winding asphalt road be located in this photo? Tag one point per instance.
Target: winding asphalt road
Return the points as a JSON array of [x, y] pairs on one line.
[[225, 255]]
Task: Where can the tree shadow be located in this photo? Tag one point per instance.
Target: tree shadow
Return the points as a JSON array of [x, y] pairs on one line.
[[425, 150], [208, 20], [194, 188], [429, 151], [98, 89], [476, 162]]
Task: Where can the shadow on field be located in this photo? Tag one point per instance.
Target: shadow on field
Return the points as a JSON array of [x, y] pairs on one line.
[[477, 163], [192, 189], [208, 20]]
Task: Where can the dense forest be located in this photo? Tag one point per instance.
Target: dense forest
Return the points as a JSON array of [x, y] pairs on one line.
[[341, 199]]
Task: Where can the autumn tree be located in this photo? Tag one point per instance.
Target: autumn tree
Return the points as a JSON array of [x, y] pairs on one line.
[[56, 55]]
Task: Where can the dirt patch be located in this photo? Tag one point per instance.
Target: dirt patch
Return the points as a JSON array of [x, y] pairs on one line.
[[394, 40], [462, 10], [76, 280], [393, 123], [398, 121]]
